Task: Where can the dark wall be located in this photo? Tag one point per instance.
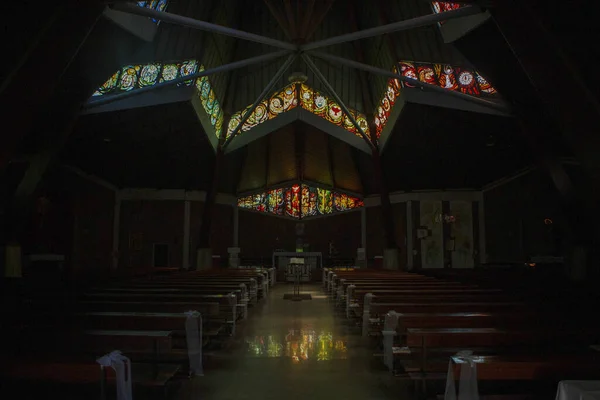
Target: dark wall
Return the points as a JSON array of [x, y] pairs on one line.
[[221, 236], [375, 234], [153, 222], [93, 209], [514, 219], [73, 216], [343, 229], [260, 234]]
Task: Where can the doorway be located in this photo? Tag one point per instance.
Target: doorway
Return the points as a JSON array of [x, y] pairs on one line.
[[160, 255]]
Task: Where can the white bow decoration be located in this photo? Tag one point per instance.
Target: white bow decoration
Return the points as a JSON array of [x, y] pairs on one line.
[[389, 332], [468, 389], [122, 366], [193, 336]]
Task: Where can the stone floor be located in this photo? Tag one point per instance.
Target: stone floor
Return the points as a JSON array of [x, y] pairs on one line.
[[295, 350]]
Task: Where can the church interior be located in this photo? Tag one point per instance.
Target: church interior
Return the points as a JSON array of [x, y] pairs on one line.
[[301, 199]]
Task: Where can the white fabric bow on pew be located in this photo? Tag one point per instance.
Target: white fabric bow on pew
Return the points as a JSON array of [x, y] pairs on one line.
[[468, 377], [122, 367], [193, 336], [389, 332]]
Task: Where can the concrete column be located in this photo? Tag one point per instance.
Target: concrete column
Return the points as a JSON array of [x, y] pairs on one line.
[[236, 226], [116, 230], [482, 249], [363, 228], [186, 234], [409, 236]]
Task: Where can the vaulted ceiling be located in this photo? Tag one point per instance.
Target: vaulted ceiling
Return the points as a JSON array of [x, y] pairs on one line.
[[165, 145]]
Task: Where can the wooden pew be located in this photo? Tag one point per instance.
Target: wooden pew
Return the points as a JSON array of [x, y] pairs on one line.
[[141, 345], [467, 320], [227, 302], [349, 289], [357, 296], [257, 286], [174, 322], [515, 367], [33, 378], [435, 342], [210, 311], [184, 293], [375, 310]]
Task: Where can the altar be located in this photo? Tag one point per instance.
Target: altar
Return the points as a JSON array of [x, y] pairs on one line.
[[310, 261]]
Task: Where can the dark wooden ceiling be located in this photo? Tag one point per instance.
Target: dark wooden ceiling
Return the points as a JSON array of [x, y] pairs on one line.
[[165, 147]]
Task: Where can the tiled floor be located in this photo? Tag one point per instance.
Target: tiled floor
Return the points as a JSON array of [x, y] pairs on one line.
[[295, 350]]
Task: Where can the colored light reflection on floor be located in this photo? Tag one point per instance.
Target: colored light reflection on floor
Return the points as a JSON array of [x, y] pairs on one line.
[[299, 345]]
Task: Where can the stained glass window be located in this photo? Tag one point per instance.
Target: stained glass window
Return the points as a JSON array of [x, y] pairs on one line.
[[386, 104], [300, 201], [279, 103], [448, 77], [326, 108], [133, 77], [310, 100], [209, 100], [158, 5], [344, 202], [443, 6]]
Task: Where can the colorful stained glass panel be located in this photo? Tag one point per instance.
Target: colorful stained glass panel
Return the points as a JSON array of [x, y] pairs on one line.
[[277, 104], [300, 201], [158, 5], [207, 96], [149, 74], [443, 6], [448, 77]]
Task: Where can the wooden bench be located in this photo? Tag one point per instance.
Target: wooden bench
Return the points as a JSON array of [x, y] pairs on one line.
[[139, 320], [78, 379], [210, 311], [257, 286], [430, 342], [373, 313], [227, 302], [247, 295]]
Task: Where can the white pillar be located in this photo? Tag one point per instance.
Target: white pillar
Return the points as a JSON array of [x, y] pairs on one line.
[[482, 250], [409, 236], [186, 233], [116, 229], [363, 228], [236, 226]]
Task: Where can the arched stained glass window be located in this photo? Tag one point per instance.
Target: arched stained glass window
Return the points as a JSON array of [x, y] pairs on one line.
[[300, 201]]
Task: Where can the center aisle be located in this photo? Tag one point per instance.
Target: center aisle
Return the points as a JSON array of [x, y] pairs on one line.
[[295, 350]]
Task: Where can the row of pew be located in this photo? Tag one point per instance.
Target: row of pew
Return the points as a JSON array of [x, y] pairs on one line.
[[159, 323], [428, 327]]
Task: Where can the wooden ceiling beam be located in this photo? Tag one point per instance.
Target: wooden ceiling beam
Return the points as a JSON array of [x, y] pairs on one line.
[[318, 19], [366, 94], [291, 19], [383, 19], [306, 17], [279, 17]]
